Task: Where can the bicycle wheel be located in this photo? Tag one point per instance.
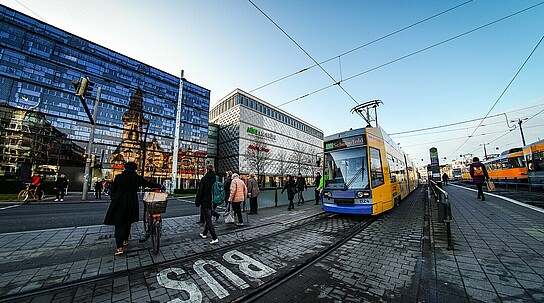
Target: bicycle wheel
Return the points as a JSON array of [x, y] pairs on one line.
[[23, 195], [156, 234]]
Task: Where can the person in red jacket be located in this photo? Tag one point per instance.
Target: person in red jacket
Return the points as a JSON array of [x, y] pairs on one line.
[[37, 182], [479, 175]]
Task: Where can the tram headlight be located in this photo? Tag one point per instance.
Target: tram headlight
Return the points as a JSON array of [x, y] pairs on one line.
[[362, 194]]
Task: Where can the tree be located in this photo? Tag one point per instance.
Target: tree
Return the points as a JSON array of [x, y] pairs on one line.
[[283, 165], [301, 160], [258, 157]]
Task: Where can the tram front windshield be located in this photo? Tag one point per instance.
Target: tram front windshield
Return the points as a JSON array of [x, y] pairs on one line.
[[346, 169]]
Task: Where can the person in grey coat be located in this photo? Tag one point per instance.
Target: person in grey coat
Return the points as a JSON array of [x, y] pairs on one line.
[[124, 207]]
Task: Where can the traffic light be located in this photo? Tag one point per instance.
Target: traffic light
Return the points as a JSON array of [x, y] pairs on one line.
[[83, 90], [97, 162], [93, 158], [88, 88], [84, 156]]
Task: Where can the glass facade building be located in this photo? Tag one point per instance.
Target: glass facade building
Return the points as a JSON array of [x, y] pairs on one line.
[[138, 103], [255, 136]]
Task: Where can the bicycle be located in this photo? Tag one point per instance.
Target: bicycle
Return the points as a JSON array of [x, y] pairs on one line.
[[154, 204], [29, 191]]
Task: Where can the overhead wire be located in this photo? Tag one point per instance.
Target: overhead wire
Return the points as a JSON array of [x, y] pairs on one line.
[[503, 92], [304, 51], [416, 52], [462, 122], [363, 45], [477, 135], [31, 11]]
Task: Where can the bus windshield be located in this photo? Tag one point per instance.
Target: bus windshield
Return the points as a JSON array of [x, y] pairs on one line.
[[346, 169]]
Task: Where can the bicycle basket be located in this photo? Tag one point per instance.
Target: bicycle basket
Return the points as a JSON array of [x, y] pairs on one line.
[[152, 196], [155, 203]]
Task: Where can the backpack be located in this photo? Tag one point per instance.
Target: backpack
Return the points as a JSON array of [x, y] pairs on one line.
[[478, 171], [218, 192]]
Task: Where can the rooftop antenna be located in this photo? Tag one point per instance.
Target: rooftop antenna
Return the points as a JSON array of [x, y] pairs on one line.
[[364, 110]]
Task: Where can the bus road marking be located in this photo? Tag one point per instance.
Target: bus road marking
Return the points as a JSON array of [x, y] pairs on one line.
[[177, 278]]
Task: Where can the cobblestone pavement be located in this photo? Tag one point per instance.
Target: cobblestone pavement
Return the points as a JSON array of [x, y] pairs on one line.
[[497, 253]]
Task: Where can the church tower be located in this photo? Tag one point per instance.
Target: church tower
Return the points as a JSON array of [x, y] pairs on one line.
[[130, 149]]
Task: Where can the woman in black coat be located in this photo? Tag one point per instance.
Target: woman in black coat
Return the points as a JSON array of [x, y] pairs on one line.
[[124, 207], [291, 189]]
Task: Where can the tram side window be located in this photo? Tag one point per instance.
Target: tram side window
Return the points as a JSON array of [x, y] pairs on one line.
[[538, 161], [516, 162], [376, 171]]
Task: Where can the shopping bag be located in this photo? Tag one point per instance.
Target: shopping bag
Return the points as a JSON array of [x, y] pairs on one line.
[[229, 217], [490, 186]]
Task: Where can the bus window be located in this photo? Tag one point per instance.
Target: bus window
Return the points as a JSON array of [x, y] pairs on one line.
[[376, 171]]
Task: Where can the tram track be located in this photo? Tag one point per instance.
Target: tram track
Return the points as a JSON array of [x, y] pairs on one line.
[[272, 285], [295, 225]]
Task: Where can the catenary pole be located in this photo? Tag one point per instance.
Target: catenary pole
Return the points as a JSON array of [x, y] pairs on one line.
[[90, 147], [176, 136]]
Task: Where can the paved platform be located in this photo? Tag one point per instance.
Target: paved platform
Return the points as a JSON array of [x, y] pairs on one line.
[[498, 250], [497, 254]]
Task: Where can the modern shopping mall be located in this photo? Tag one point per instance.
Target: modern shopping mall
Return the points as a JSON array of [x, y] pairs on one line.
[[255, 136]]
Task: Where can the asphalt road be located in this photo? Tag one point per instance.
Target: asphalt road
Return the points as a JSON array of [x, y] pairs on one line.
[[49, 214]]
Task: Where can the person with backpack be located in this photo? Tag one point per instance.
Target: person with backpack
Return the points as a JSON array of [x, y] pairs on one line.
[[478, 172], [204, 197], [253, 193], [238, 193]]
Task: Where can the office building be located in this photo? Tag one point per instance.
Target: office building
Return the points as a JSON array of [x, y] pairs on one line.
[[137, 108]]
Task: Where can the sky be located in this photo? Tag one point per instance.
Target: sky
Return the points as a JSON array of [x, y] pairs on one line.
[[465, 64]]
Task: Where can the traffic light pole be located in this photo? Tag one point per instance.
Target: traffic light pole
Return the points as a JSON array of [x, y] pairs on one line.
[[90, 146], [176, 137]]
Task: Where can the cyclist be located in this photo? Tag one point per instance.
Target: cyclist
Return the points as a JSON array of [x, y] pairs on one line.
[[36, 182]]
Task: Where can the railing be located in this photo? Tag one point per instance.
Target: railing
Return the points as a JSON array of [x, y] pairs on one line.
[[444, 209]]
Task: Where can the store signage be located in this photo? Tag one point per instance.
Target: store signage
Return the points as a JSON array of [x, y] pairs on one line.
[[264, 149], [260, 133], [345, 142]]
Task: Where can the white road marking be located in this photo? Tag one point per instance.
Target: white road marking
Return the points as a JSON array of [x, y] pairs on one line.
[[8, 207]]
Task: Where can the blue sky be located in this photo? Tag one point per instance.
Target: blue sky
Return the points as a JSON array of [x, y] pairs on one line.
[[223, 45]]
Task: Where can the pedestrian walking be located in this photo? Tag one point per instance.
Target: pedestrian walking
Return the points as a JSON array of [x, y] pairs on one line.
[[238, 193], [253, 193], [60, 187], [317, 183], [290, 187], [226, 185], [445, 178], [124, 207], [301, 187], [98, 187], [204, 201], [478, 172]]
